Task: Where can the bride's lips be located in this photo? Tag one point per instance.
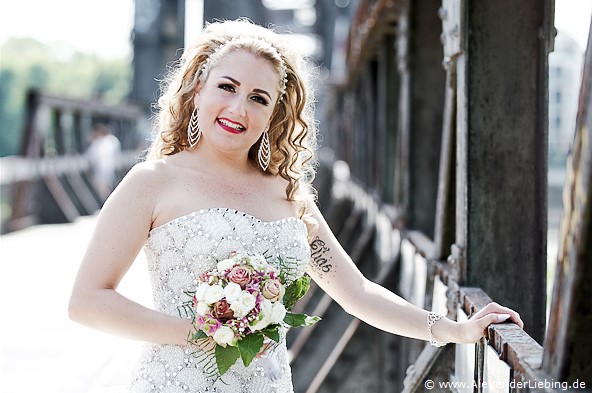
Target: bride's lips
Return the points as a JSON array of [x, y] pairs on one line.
[[231, 126]]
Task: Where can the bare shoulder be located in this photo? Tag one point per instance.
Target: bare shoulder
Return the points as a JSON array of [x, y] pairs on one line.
[[138, 192], [277, 187], [144, 179]]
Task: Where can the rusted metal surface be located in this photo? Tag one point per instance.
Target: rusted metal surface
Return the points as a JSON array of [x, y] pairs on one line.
[[568, 345], [516, 348], [372, 19], [426, 114], [444, 225], [504, 156]]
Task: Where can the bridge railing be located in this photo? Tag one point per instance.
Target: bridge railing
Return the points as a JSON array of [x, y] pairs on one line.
[[449, 173], [48, 181], [401, 259]]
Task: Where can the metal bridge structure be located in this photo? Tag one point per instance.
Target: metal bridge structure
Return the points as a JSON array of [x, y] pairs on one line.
[[433, 175], [48, 182]]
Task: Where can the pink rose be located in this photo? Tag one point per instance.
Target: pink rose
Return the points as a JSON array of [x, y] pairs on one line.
[[240, 275], [221, 310], [272, 290]]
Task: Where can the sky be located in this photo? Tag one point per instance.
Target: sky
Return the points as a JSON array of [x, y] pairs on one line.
[[104, 27], [100, 27]]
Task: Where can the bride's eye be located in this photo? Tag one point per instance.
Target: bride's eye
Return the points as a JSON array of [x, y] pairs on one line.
[[226, 87], [260, 100]]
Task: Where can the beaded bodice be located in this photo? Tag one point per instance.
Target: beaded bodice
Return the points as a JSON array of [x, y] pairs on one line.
[[177, 253]]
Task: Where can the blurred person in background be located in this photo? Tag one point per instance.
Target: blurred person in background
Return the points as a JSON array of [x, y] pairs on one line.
[[103, 155]]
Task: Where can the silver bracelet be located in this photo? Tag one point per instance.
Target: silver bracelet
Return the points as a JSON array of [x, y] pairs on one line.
[[432, 319]]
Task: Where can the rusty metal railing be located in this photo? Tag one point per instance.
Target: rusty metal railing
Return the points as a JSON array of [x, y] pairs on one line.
[[47, 182]]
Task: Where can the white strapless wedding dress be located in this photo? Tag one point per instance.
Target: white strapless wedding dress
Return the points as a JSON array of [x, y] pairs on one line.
[[177, 253]]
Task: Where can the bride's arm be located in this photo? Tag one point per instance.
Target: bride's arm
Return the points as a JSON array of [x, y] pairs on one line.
[[121, 230], [333, 270]]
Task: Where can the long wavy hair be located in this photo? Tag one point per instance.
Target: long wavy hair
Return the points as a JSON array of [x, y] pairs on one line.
[[292, 130]]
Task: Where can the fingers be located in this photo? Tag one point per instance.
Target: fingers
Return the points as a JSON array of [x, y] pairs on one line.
[[494, 313], [264, 349]]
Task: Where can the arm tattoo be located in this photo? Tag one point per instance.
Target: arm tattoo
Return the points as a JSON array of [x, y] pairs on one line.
[[320, 261]]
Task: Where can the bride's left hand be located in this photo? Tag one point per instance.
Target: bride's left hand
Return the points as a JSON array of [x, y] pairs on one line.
[[476, 326]]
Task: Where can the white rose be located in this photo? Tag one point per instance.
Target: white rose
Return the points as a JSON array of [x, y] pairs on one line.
[[223, 335], [258, 262], [261, 324], [225, 265], [239, 312], [264, 315], [202, 308], [200, 292], [243, 304], [232, 291], [265, 307], [278, 313], [214, 294]]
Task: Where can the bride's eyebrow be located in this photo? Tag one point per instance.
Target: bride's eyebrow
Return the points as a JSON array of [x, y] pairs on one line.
[[232, 80], [262, 92], [238, 84]]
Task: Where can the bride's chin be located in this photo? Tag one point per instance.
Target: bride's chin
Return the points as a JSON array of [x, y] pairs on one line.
[[231, 148]]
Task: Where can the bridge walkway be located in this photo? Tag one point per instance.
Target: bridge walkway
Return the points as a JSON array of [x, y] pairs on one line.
[[41, 350]]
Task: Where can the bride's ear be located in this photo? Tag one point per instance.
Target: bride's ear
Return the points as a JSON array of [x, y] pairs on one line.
[[197, 92]]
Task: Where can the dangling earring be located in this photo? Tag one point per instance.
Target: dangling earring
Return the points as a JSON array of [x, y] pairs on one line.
[[193, 130], [264, 154]]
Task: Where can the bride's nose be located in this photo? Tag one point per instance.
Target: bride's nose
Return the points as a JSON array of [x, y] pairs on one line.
[[238, 106]]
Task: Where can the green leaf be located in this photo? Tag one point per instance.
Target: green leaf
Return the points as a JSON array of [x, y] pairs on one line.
[[249, 347], [294, 320], [198, 335], [273, 332], [311, 320], [296, 291], [297, 320], [226, 357]]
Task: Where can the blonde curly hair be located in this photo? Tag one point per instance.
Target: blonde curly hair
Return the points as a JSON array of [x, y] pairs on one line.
[[292, 130]]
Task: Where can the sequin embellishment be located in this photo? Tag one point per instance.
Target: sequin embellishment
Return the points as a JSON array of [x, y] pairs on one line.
[[177, 253]]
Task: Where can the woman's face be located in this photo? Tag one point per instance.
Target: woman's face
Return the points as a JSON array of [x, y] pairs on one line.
[[236, 101]]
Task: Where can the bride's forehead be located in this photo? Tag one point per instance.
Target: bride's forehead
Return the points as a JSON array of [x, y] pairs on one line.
[[248, 66]]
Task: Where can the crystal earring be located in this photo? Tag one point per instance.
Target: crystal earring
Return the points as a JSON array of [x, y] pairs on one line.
[[264, 154], [193, 130]]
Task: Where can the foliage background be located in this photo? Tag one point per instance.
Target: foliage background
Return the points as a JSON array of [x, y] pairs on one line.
[[55, 69]]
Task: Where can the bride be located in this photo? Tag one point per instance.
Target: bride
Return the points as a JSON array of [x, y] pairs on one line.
[[230, 171]]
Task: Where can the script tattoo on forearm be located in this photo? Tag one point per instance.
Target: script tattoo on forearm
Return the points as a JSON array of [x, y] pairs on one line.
[[320, 260]]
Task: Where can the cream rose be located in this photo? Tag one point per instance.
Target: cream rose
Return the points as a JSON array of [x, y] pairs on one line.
[[272, 290], [225, 265], [278, 313], [243, 304], [266, 308], [202, 308], [232, 291], [259, 263], [200, 292], [213, 294], [224, 335]]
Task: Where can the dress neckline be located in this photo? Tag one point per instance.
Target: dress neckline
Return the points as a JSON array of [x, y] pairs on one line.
[[223, 210]]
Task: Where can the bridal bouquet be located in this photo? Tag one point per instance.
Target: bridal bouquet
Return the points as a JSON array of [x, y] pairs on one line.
[[241, 305]]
